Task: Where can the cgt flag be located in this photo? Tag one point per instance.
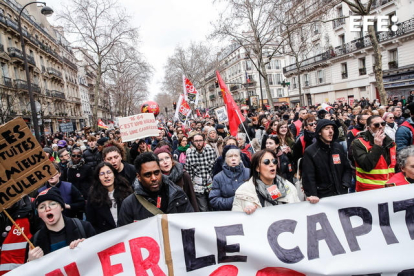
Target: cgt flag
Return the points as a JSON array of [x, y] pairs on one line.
[[102, 124], [183, 110], [190, 93], [233, 111]]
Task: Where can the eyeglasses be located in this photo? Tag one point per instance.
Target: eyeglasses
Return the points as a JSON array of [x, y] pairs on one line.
[[377, 125], [312, 124], [64, 155], [76, 155], [105, 173], [52, 205], [267, 161], [167, 158]]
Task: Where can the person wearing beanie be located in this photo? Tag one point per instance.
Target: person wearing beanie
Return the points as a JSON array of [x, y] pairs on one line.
[[404, 136], [221, 131], [326, 170], [73, 200], [58, 230], [175, 172], [49, 154]]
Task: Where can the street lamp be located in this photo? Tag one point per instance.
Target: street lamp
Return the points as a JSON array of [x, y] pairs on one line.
[[47, 11]]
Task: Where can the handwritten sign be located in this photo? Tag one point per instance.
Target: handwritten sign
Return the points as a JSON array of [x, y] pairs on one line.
[[24, 166], [66, 127], [138, 126]]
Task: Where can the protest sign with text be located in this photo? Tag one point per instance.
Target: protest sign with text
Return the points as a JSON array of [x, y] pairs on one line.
[[138, 126], [362, 233], [24, 166]]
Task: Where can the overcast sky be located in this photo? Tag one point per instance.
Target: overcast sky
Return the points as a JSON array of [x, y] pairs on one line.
[[163, 24]]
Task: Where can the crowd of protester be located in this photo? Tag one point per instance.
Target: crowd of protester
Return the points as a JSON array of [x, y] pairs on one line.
[[277, 157]]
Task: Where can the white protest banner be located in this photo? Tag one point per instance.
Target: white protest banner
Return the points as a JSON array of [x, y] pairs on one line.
[[363, 233], [221, 114], [138, 126]]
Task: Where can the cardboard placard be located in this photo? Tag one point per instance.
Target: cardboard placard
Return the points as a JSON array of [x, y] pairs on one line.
[[138, 126], [24, 166]]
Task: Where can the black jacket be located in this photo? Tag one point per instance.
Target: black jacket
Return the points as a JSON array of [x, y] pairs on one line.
[[132, 210], [322, 176], [100, 216], [92, 157], [129, 173], [80, 177], [72, 234]]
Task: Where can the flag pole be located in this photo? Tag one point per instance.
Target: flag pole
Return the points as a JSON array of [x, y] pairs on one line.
[[248, 137]]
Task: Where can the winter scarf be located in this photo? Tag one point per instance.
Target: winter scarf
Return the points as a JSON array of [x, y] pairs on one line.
[[261, 188], [76, 166], [176, 172], [183, 149]]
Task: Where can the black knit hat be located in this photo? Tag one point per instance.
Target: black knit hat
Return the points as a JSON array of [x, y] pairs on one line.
[[102, 141], [50, 194]]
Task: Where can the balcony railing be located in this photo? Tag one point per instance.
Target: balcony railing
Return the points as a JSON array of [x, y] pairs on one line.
[[58, 94], [212, 97], [404, 28], [54, 72], [31, 60], [35, 88], [71, 64], [1, 48], [12, 24], [393, 64], [338, 22], [344, 75], [362, 71], [49, 93], [8, 82], [379, 3], [21, 84], [14, 52]]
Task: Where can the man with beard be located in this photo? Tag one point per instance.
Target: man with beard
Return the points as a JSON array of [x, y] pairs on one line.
[[92, 155], [154, 193], [79, 173], [297, 125], [326, 170], [114, 154], [375, 156], [199, 165]]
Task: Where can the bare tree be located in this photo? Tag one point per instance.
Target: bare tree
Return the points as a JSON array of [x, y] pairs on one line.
[[7, 104], [99, 26], [252, 25], [128, 80], [359, 8], [194, 62]]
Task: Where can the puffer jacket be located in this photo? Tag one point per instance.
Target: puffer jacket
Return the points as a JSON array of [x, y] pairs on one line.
[[246, 195], [132, 210], [322, 176], [92, 157], [404, 136], [225, 185]]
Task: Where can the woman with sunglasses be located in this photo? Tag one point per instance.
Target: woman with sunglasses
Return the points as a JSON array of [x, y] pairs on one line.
[[107, 193], [391, 126], [264, 188], [284, 165]]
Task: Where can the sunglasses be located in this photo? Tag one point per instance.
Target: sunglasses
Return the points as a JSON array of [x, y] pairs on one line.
[[391, 118], [267, 161], [76, 155], [312, 124], [377, 125]]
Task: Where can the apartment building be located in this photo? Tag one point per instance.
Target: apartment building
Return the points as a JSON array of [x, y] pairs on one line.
[[340, 65], [242, 79]]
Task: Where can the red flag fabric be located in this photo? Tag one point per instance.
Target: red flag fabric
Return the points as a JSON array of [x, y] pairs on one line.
[[198, 113], [102, 124], [233, 111]]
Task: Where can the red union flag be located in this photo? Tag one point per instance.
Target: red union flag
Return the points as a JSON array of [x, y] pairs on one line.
[[233, 111], [190, 93], [183, 109]]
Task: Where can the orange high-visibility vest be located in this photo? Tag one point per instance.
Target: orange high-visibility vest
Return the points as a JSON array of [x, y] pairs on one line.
[[377, 177], [13, 249]]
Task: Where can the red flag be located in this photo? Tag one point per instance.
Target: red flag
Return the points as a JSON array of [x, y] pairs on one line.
[[233, 111], [102, 124], [198, 113]]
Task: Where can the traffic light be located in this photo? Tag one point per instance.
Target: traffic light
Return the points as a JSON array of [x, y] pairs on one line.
[[217, 85], [175, 105], [284, 83]]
